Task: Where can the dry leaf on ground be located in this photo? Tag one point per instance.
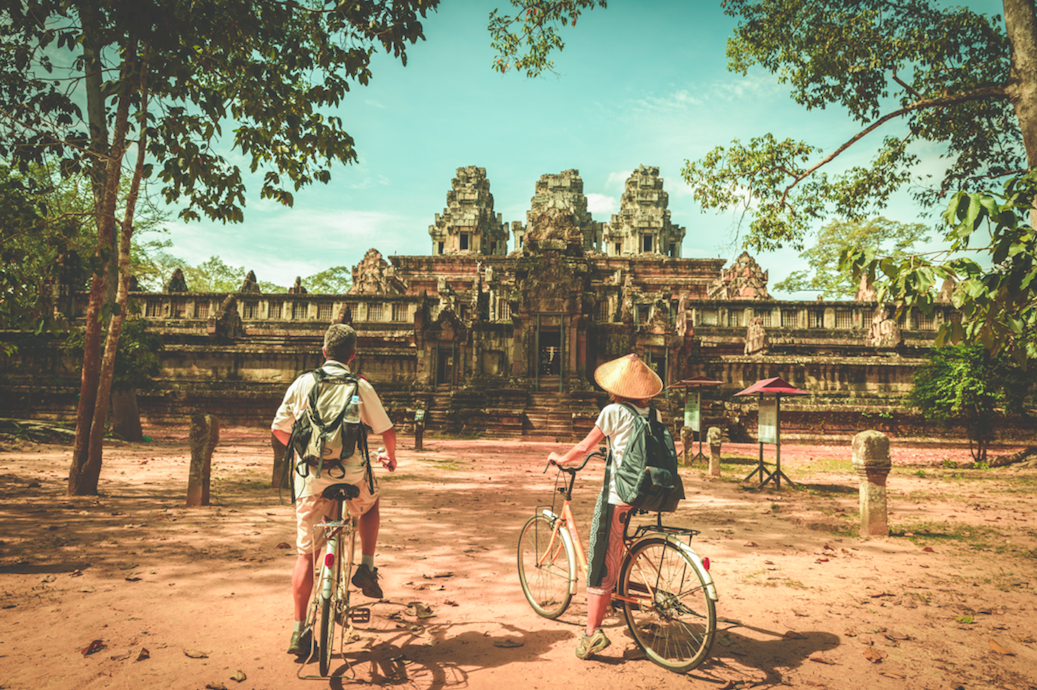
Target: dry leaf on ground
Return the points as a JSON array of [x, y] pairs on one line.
[[94, 646], [239, 676], [142, 654], [999, 649], [874, 655], [819, 658], [195, 654]]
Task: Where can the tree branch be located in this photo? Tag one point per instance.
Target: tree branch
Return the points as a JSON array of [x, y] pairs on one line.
[[979, 94]]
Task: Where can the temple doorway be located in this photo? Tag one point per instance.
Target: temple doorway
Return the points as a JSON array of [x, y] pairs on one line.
[[550, 359], [549, 352], [444, 366]]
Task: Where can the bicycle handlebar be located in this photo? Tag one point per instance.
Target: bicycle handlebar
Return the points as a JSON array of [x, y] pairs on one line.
[[600, 452]]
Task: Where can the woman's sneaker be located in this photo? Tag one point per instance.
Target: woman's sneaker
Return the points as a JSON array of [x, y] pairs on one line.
[[591, 645]]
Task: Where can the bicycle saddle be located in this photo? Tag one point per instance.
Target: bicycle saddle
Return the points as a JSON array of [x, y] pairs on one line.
[[341, 492]]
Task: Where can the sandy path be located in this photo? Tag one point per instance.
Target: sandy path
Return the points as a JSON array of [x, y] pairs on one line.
[[807, 603]]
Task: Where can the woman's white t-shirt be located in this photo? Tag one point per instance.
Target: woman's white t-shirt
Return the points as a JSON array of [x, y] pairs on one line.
[[616, 422]]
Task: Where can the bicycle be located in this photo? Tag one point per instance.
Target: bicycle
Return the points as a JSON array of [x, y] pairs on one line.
[[665, 589], [331, 592]]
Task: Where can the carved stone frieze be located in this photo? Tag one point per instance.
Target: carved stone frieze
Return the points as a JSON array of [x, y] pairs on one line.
[[743, 280], [376, 276]]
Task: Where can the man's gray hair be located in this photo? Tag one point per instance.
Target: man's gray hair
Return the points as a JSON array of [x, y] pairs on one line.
[[340, 342]]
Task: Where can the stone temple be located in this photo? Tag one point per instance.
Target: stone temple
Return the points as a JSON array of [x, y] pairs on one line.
[[504, 343]]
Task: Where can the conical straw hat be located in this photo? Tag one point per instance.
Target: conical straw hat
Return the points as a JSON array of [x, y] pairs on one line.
[[629, 377]]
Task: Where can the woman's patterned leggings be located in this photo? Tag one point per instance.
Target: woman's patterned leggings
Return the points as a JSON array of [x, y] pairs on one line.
[[614, 551]]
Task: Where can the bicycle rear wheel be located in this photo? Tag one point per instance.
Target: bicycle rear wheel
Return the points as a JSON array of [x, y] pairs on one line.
[[328, 604], [545, 567], [673, 620]]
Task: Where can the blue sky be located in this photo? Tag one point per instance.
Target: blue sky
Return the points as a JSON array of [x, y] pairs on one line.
[[638, 83]]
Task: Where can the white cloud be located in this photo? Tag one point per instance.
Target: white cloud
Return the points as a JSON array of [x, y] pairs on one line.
[[601, 204], [281, 245], [618, 180], [373, 103]]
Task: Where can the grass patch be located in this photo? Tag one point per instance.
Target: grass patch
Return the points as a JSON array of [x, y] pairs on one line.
[[761, 578], [444, 463], [928, 533], [824, 465]]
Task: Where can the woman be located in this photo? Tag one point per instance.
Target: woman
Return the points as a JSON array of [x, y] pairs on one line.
[[628, 380]]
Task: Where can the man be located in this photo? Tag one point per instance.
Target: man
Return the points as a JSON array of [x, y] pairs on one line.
[[310, 507]]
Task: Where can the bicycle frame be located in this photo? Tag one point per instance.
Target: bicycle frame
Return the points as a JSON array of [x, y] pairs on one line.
[[329, 583], [567, 522]]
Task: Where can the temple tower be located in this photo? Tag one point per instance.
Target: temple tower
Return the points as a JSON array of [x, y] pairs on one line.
[[468, 224], [561, 193], [643, 225]]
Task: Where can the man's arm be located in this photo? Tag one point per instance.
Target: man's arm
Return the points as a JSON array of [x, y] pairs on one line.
[[283, 436], [389, 442]]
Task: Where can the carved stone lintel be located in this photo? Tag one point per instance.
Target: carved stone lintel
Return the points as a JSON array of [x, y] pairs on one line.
[[884, 331], [755, 337]]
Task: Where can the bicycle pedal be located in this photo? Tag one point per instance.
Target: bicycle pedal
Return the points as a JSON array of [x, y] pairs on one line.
[[359, 615]]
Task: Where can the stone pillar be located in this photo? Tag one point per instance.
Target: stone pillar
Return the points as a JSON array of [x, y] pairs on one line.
[[872, 463], [419, 429], [204, 435], [687, 439], [713, 438], [279, 460]]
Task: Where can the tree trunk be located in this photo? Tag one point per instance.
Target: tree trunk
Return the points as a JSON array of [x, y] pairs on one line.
[[86, 471], [1021, 26], [78, 484]]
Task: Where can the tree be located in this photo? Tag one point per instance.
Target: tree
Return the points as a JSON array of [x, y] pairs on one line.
[[825, 274], [136, 366], [998, 301], [955, 79], [967, 383], [334, 281], [32, 241], [159, 79]]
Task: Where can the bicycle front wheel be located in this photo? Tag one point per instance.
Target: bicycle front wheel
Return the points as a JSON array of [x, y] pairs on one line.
[[667, 608], [545, 566], [328, 605]]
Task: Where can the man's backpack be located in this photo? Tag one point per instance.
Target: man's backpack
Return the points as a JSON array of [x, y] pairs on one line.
[[647, 478], [329, 429]]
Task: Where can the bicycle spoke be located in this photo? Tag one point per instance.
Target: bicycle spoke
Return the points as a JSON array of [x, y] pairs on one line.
[[544, 563], [673, 619]]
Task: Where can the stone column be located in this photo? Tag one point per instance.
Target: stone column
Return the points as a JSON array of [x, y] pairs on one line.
[[687, 440], [872, 463], [204, 435], [713, 438], [279, 460]]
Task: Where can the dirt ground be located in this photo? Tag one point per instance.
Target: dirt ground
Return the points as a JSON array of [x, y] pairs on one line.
[[133, 590]]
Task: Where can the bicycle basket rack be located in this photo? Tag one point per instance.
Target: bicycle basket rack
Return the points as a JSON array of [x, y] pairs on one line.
[[660, 528]]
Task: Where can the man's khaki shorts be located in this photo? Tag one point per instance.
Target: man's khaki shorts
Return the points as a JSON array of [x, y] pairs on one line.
[[313, 509]]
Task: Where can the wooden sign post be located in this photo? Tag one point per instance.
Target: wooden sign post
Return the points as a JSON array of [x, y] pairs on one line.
[[769, 426]]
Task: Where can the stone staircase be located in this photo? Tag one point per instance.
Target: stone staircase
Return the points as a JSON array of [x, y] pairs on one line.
[[548, 417]]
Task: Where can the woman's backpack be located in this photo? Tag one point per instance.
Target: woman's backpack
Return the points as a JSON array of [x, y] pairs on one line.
[[647, 478]]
